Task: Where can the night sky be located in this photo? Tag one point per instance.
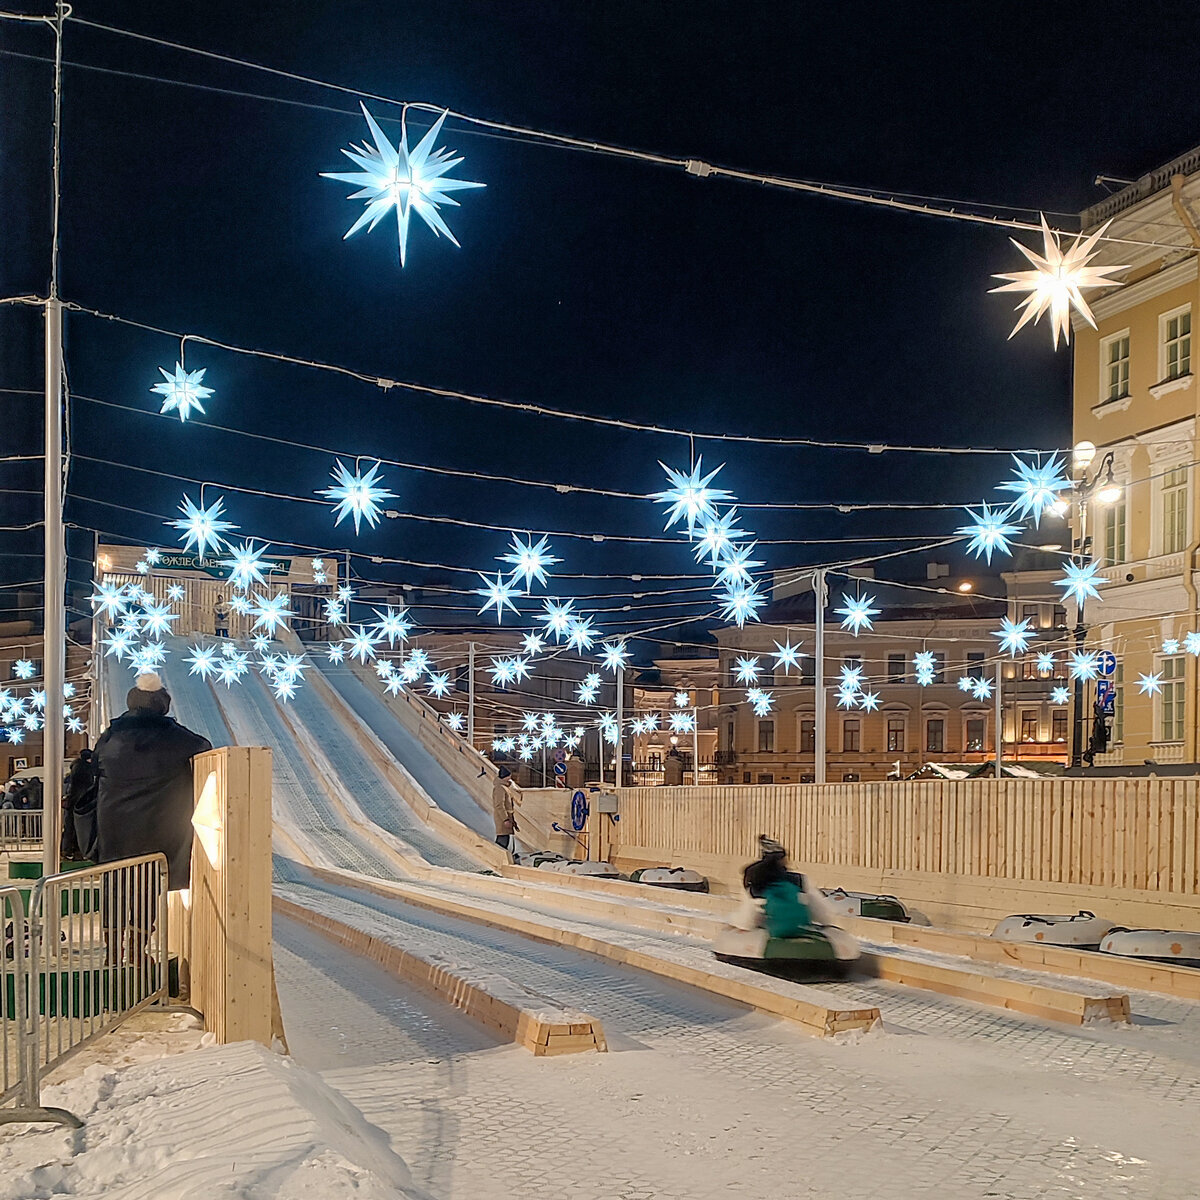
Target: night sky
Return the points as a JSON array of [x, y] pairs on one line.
[[583, 282]]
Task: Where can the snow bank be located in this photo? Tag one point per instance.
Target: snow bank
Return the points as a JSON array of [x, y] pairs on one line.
[[230, 1121]]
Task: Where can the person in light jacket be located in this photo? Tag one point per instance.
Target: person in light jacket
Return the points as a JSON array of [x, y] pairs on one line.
[[503, 802]]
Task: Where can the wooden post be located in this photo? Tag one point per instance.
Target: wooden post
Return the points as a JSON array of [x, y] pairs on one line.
[[232, 974]]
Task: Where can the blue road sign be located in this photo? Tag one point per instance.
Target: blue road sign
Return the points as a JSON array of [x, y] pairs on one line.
[[560, 768], [1107, 662]]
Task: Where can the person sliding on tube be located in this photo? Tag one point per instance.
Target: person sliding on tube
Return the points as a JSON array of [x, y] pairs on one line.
[[785, 908]]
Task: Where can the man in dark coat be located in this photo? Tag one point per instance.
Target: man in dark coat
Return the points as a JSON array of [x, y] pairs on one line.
[[143, 763]]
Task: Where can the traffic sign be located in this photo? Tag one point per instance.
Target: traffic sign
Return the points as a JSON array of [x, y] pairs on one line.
[[1106, 661], [560, 755], [560, 768], [1106, 696]]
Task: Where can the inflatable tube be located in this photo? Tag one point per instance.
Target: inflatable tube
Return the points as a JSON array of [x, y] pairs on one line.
[[863, 904], [1155, 945], [679, 878], [1084, 930], [536, 858], [821, 951], [574, 866]]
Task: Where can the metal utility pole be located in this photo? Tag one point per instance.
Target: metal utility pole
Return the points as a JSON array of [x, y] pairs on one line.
[[620, 727], [695, 746], [471, 693], [1080, 632], [54, 632], [821, 594], [999, 720]]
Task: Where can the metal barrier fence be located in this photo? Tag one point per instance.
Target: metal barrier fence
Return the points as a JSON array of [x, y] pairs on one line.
[[89, 951], [20, 829]]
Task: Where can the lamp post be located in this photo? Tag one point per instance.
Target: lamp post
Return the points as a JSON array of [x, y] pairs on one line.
[[1103, 488]]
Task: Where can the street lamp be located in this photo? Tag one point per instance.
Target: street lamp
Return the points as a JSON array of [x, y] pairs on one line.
[[1102, 488]]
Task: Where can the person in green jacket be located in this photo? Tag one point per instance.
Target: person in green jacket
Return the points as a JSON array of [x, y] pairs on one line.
[[786, 911]]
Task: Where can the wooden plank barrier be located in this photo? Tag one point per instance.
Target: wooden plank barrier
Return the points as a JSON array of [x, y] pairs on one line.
[[965, 853], [231, 968], [542, 1026]]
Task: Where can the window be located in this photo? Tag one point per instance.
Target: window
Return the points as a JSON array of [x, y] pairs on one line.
[[895, 668], [808, 735], [1030, 613], [766, 779], [1170, 700], [1118, 721], [1029, 668], [1114, 370], [976, 733], [1174, 510], [462, 682], [1058, 725], [975, 661], [935, 736], [853, 661], [745, 776], [1114, 533], [766, 736], [850, 732], [1029, 723], [808, 670], [1176, 343], [895, 732], [729, 736], [1060, 617], [939, 666]]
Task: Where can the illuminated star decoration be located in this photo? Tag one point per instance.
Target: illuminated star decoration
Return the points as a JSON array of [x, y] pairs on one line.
[[786, 656], [335, 614], [1170, 646], [269, 613], [615, 655], [763, 703], [498, 593], [392, 625], [23, 668], [202, 661], [361, 644], [439, 685], [502, 671], [455, 721], [1080, 582], [717, 537], [407, 180], [1056, 283], [581, 634], [335, 652], [142, 567], [1085, 665], [202, 527], [153, 555], [182, 391], [736, 564], [869, 701], [989, 530], [1060, 695], [357, 494], [157, 619], [1191, 643], [1045, 664], [1150, 685], [981, 688], [109, 599], [682, 699], [682, 722], [740, 603], [557, 618], [1014, 636], [175, 592], [924, 666], [245, 564], [857, 613], [1037, 486], [747, 670], [689, 497], [529, 560]]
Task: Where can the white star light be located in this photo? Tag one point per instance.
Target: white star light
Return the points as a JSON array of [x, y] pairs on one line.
[[581, 634], [1191, 643], [182, 391], [585, 693], [682, 722], [1014, 636], [533, 644], [335, 613], [245, 564], [787, 655], [502, 671], [361, 644], [520, 668], [981, 689], [924, 664], [990, 531], [384, 668], [682, 699], [261, 642], [455, 721], [498, 593], [394, 685], [269, 613], [175, 592], [689, 497], [1045, 664], [439, 685], [1037, 486], [747, 670], [736, 564], [202, 527], [345, 594], [153, 555], [717, 537], [609, 728], [869, 701], [1081, 581], [650, 720], [857, 613], [557, 618], [1170, 646], [1060, 695], [741, 604], [418, 657], [23, 668], [407, 180], [117, 645], [75, 725], [392, 625], [142, 567], [763, 703], [966, 683], [1150, 685], [529, 560], [614, 655], [157, 619], [1056, 283], [109, 599], [335, 652], [1085, 665], [241, 605], [357, 494]]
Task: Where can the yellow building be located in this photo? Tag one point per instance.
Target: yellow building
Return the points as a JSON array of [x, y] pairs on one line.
[[1136, 399]]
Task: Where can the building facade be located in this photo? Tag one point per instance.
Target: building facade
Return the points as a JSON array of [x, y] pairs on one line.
[[1136, 399]]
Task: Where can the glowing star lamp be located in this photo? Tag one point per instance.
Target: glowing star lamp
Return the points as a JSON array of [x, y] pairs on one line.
[[357, 494], [786, 656], [689, 498], [1037, 486], [717, 537], [245, 565], [990, 531], [1150, 685], [741, 604], [1060, 695], [747, 670], [202, 527], [529, 560], [1014, 636], [182, 391], [735, 565], [857, 613], [407, 180], [1056, 283], [1081, 581], [497, 593], [615, 655]]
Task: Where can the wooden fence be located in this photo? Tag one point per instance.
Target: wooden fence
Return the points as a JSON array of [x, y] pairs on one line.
[[963, 851]]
